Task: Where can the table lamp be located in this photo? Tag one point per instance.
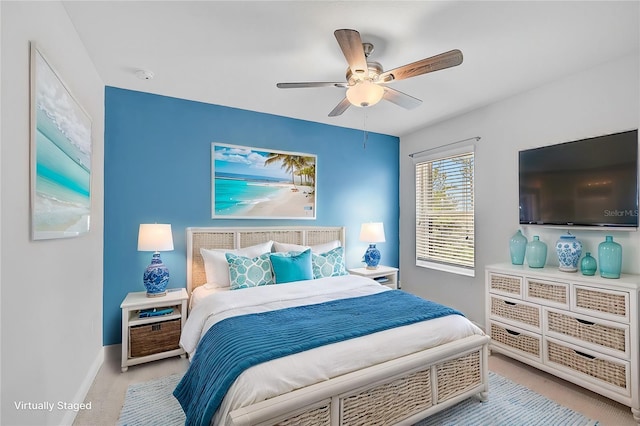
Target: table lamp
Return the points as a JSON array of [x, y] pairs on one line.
[[155, 237], [372, 232]]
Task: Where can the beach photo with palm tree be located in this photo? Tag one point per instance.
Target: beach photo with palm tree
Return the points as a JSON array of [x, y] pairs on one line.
[[253, 183]]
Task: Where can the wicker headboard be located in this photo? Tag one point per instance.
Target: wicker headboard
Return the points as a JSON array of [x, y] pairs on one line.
[[233, 238]]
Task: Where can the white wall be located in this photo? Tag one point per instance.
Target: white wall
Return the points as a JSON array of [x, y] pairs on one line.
[[597, 101], [51, 306]]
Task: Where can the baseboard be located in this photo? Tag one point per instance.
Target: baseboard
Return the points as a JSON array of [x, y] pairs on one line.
[[82, 392]]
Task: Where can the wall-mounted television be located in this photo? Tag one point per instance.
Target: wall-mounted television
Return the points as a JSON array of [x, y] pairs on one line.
[[588, 182]]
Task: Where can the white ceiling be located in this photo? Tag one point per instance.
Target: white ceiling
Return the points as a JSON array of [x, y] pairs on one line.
[[234, 53]]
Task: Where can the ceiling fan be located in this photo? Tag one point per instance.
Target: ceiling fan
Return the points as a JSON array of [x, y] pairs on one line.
[[367, 81]]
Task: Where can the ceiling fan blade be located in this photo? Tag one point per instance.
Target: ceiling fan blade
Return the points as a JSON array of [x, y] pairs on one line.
[[401, 99], [340, 108], [351, 45], [434, 63], [310, 84]]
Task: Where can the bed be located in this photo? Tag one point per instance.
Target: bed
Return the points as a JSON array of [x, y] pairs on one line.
[[396, 375]]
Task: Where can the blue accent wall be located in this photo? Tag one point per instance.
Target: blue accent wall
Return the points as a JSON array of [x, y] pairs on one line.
[[158, 169]]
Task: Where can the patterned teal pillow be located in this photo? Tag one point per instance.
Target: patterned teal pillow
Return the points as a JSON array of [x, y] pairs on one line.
[[245, 272], [329, 264]]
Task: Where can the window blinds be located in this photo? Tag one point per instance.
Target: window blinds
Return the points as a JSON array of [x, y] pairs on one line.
[[444, 210]]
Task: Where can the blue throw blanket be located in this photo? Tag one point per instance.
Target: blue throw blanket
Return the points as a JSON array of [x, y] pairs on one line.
[[232, 345]]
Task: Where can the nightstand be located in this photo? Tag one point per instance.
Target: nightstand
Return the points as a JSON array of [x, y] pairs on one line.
[[385, 275], [148, 333]]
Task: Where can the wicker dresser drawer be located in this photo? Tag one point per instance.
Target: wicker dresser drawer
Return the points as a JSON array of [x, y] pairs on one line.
[[548, 292], [522, 314], [608, 304], [528, 344], [508, 285], [606, 371], [154, 338], [611, 337]]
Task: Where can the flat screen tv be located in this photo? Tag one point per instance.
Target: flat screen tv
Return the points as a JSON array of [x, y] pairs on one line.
[[588, 182]]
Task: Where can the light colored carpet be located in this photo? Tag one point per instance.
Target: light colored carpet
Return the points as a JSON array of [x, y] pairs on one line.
[[152, 403]]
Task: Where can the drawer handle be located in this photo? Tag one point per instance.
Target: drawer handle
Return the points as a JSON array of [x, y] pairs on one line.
[[513, 333], [510, 303], [582, 354], [585, 322]]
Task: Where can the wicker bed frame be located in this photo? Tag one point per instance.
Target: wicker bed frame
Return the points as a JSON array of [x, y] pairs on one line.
[[401, 391]]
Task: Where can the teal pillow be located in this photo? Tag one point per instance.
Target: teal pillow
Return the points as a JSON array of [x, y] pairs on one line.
[[245, 272], [292, 266], [329, 264]]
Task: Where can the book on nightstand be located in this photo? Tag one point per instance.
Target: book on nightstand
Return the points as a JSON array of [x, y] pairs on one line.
[[154, 312]]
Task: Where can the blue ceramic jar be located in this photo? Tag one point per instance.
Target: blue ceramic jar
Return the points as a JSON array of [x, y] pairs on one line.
[[569, 251]]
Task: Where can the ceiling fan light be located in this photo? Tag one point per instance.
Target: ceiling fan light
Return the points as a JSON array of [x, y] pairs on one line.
[[365, 94]]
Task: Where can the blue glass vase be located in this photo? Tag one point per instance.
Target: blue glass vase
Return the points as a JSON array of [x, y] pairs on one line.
[[610, 258], [588, 265], [517, 248], [569, 250], [536, 253]]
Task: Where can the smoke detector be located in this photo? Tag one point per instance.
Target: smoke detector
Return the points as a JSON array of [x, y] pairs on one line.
[[144, 75]]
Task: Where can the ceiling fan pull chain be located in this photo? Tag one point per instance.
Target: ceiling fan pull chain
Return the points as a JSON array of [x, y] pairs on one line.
[[366, 134]]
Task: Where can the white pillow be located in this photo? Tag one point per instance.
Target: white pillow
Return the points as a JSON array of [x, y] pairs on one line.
[[216, 267], [318, 248], [202, 292]]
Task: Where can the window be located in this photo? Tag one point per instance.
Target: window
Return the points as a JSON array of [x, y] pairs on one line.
[[444, 212]]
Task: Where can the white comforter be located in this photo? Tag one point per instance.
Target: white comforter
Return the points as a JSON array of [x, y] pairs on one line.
[[295, 371]]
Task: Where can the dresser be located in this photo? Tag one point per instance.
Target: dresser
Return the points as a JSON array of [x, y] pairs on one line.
[[583, 329]]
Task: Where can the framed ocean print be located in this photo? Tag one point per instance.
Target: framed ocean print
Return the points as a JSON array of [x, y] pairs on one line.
[[60, 156], [255, 183]]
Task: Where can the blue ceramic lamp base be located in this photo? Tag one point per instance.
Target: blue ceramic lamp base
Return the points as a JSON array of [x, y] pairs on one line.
[[372, 257], [156, 277]]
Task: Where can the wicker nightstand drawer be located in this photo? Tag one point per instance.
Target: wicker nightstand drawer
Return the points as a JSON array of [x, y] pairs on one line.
[[596, 335], [611, 371], [510, 285], [154, 338], [526, 343], [523, 314], [548, 292]]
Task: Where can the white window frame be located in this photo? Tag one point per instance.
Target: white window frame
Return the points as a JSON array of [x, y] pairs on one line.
[[447, 266]]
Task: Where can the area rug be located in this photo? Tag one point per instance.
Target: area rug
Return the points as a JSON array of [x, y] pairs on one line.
[[152, 403]]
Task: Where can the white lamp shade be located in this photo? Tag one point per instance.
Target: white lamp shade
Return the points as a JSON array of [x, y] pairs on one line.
[[365, 94], [372, 232], [155, 237]]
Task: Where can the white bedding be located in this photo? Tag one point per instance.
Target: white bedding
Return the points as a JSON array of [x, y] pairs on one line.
[[295, 371]]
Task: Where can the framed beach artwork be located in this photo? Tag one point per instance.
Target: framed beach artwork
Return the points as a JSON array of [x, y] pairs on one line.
[[60, 156], [253, 183]]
